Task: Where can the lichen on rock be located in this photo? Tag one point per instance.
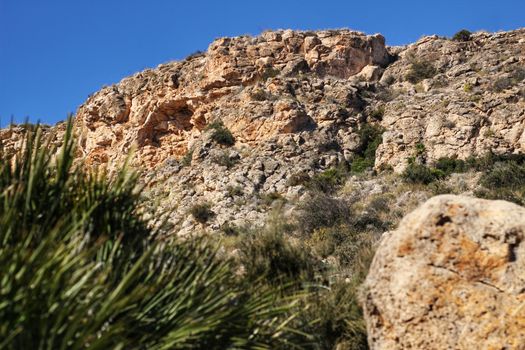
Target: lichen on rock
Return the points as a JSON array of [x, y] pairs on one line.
[[451, 276]]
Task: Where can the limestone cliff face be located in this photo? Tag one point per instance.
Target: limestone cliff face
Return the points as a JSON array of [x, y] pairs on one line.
[[251, 84], [473, 104], [295, 103], [286, 82]]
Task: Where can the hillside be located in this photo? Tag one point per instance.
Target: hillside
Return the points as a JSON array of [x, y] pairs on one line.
[[299, 103], [328, 139]]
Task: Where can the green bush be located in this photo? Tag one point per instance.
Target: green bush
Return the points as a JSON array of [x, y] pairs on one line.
[[221, 134], [370, 137], [340, 240], [224, 159], [270, 197], [420, 70], [186, 159], [331, 314], [510, 175], [268, 253], [502, 83], [300, 178], [377, 114], [320, 210], [202, 212], [234, 191], [82, 268], [339, 322], [269, 72], [462, 35], [260, 95], [230, 229], [451, 165], [505, 180], [195, 54], [513, 77], [329, 180], [420, 149], [419, 173]]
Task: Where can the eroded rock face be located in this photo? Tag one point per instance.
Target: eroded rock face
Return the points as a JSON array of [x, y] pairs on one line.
[[452, 276], [296, 103], [242, 81], [474, 104]]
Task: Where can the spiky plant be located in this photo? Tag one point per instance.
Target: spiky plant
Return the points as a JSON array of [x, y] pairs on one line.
[[82, 268]]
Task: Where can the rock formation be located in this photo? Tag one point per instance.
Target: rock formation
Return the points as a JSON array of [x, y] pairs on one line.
[[296, 103], [473, 103], [452, 276], [241, 81]]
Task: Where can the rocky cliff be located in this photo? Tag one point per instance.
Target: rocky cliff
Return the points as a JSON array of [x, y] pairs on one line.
[[319, 126], [279, 83], [298, 103]]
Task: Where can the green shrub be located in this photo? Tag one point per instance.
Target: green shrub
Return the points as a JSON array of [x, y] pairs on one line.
[[339, 322], [377, 114], [505, 181], [224, 159], [82, 268], [509, 175], [230, 229], [502, 83], [515, 76], [329, 180], [195, 54], [320, 210], [440, 187], [418, 173], [268, 253], [420, 70], [340, 240], [370, 137], [420, 149], [332, 314], [462, 35], [234, 191], [300, 178], [202, 212], [221, 134], [487, 161], [450, 165], [449, 124], [270, 197], [186, 159], [361, 164], [260, 95]]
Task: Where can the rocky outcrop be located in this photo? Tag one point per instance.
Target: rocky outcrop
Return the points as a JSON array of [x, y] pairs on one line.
[[250, 83], [296, 103], [452, 276], [12, 138], [471, 103]]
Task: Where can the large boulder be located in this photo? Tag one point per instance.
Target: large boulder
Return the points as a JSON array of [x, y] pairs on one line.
[[452, 276]]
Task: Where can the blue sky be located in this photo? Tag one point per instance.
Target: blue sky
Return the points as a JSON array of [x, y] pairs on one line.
[[54, 53]]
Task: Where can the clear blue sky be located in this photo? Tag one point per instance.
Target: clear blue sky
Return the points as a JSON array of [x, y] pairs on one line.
[[54, 53]]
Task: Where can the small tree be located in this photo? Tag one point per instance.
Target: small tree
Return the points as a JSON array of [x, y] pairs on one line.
[[462, 35], [221, 134]]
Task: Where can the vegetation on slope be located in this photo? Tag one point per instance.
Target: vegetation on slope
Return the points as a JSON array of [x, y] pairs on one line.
[[82, 267]]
